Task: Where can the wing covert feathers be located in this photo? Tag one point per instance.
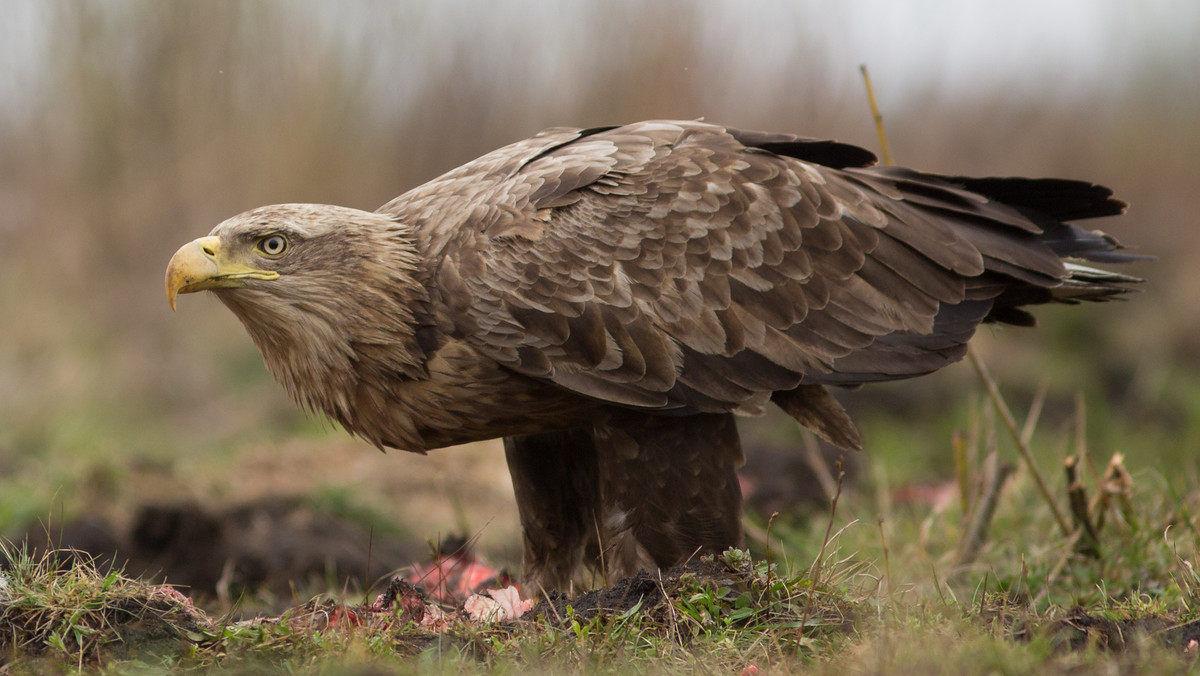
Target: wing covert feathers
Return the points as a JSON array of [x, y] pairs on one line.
[[683, 266]]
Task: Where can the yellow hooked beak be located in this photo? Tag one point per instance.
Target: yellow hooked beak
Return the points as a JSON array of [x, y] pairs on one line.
[[200, 265]]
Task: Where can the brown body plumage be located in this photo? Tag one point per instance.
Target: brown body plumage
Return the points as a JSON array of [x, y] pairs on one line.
[[605, 299]]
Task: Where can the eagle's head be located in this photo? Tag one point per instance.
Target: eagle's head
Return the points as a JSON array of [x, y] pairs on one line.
[[327, 293]]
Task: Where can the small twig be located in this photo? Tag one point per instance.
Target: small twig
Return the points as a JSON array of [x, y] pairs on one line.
[[757, 532], [602, 552], [1115, 482], [887, 565], [769, 522], [815, 572], [986, 475], [673, 632], [1118, 482], [1100, 505], [1011, 423], [1081, 447], [962, 473], [984, 511], [1117, 469], [1088, 544], [816, 567], [1035, 412], [878, 117], [812, 456]]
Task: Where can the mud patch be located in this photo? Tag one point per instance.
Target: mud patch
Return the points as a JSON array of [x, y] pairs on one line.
[[1082, 630], [273, 545]]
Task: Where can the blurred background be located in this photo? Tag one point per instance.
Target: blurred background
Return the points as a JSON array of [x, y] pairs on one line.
[[131, 126]]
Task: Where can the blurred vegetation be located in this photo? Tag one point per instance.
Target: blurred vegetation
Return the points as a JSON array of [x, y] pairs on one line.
[[131, 127]]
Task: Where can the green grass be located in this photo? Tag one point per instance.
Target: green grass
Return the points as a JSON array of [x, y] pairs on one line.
[[869, 587], [846, 622]]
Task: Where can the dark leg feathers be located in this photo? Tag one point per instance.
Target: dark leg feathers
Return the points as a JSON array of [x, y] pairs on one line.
[[554, 477], [636, 492]]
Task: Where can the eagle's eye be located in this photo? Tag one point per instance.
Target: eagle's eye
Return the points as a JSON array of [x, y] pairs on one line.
[[272, 245]]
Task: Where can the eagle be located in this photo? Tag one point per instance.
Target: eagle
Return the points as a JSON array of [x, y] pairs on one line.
[[608, 299]]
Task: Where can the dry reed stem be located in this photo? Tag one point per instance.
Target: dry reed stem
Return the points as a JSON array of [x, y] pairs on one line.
[[815, 571], [976, 534], [961, 470], [1011, 424], [877, 116], [820, 468], [1088, 543]]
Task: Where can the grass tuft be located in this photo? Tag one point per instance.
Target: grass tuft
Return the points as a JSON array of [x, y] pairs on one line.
[[59, 606]]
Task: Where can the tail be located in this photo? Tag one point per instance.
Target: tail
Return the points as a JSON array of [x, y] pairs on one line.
[[1031, 255], [1049, 203]]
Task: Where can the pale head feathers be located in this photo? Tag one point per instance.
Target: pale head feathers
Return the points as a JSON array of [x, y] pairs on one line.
[[343, 313]]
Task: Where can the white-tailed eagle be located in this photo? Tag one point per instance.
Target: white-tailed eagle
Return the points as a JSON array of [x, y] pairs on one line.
[[606, 299]]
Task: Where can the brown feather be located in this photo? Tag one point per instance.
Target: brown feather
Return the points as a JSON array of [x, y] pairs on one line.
[[816, 409]]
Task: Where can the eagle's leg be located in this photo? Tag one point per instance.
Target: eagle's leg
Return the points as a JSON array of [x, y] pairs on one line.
[[636, 492], [554, 477], [668, 489]]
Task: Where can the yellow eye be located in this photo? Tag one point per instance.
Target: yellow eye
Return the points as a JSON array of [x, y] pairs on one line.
[[272, 245]]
